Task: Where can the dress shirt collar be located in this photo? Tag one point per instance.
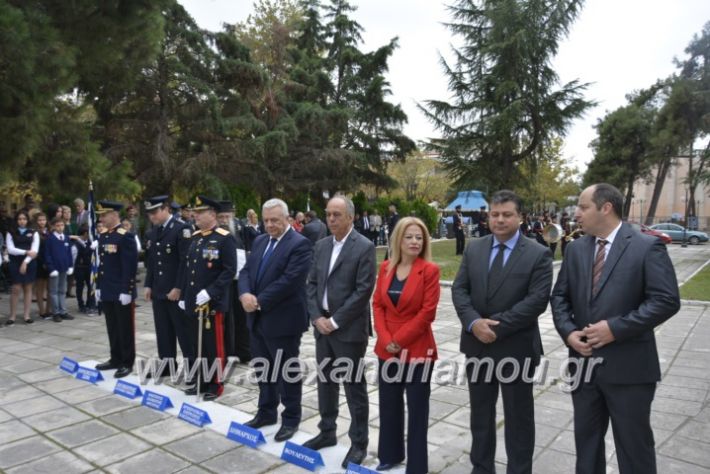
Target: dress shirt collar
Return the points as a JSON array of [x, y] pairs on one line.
[[510, 243]]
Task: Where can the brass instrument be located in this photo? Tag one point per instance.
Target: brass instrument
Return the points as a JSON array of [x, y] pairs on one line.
[[574, 234], [552, 233]]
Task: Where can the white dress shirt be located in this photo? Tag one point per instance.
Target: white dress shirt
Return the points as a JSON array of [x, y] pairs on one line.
[[337, 248]]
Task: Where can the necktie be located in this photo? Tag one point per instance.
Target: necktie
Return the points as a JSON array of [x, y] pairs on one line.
[[160, 230], [598, 265], [265, 258], [497, 266], [367, 224]]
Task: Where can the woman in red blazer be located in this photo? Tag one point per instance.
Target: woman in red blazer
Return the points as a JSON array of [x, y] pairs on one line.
[[404, 304]]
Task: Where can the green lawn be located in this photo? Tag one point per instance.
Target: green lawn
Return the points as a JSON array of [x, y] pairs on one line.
[[444, 254], [698, 288]]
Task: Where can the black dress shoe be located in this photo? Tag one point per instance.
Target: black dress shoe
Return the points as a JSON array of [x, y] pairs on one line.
[[323, 440], [190, 391], [285, 432], [356, 455], [209, 397], [386, 466], [258, 422], [122, 372], [106, 366]]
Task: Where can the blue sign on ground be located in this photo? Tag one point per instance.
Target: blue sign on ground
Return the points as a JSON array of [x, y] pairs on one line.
[[127, 390], [88, 375], [68, 365], [194, 415], [302, 457], [156, 401], [245, 435], [358, 469]]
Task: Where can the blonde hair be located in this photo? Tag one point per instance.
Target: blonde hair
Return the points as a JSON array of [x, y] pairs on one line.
[[252, 217], [395, 249]]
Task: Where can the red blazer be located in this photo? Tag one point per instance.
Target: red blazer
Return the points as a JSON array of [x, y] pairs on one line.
[[409, 323]]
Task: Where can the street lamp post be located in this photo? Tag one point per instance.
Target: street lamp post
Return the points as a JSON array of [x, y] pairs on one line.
[[641, 211], [685, 223]]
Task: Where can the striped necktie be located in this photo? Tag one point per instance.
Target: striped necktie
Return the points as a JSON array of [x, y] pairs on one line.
[[598, 265]]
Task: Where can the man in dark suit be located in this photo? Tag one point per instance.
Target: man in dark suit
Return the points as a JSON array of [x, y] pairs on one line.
[[116, 288], [272, 292], [502, 287], [340, 284], [458, 231], [314, 230], [165, 252], [615, 286]]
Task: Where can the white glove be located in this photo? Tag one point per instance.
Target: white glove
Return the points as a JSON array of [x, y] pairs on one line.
[[97, 293], [54, 274], [70, 271], [124, 299], [94, 244], [181, 304], [202, 298]]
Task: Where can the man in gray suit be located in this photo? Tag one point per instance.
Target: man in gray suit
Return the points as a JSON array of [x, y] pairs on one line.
[[340, 284], [314, 230], [502, 287], [615, 286]]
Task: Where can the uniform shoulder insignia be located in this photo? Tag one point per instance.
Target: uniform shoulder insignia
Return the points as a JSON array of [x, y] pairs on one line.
[[221, 231], [121, 230], [197, 232], [186, 233]]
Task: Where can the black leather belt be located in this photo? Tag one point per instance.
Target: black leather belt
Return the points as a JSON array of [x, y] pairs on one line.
[[326, 314]]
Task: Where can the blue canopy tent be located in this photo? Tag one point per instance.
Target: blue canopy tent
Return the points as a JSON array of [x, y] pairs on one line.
[[469, 200]]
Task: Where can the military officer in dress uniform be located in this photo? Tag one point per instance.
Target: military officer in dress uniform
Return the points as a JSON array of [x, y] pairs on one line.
[[209, 270], [116, 287], [166, 248], [236, 332]]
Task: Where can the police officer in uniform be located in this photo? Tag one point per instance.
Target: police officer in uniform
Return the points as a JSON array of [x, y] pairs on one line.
[[236, 331], [166, 248], [116, 288], [209, 270]]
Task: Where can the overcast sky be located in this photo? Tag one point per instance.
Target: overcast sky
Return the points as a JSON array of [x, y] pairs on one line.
[[616, 45]]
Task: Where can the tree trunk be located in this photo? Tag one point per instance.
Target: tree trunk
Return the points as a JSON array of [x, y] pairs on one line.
[[663, 168]]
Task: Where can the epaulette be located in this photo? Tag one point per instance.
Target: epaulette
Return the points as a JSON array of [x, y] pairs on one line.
[[121, 230], [221, 231]]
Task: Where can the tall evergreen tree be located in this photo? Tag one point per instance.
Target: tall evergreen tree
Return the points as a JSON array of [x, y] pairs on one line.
[[505, 104]]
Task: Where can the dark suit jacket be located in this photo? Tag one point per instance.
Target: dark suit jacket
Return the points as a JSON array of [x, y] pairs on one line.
[[408, 323], [314, 230], [638, 291], [349, 284], [281, 291], [165, 257], [519, 299]]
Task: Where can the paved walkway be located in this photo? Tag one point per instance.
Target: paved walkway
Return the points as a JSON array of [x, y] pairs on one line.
[[50, 422]]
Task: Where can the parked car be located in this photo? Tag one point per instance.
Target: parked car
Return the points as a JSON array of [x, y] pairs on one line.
[[665, 238], [675, 231]]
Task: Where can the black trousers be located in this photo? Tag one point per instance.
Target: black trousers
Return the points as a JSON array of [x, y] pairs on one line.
[[629, 408], [82, 275], [172, 323], [519, 412], [236, 330], [273, 353], [390, 448], [355, 388], [460, 241], [213, 355], [120, 325]]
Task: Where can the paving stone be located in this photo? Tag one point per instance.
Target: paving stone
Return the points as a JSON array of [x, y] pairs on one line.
[[165, 431], [14, 394], [5, 416], [54, 419], [193, 470], [40, 404], [105, 406], [41, 375], [25, 450], [135, 417], [201, 447], [554, 462], [242, 460], [63, 384], [695, 430], [154, 461], [13, 430], [81, 394], [82, 433], [687, 450], [113, 449], [62, 462], [668, 465]]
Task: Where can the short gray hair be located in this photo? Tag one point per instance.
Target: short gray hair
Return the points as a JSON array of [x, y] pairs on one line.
[[79, 201], [349, 205], [275, 202]]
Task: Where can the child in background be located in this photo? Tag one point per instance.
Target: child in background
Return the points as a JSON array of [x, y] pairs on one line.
[[58, 259], [82, 271]]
